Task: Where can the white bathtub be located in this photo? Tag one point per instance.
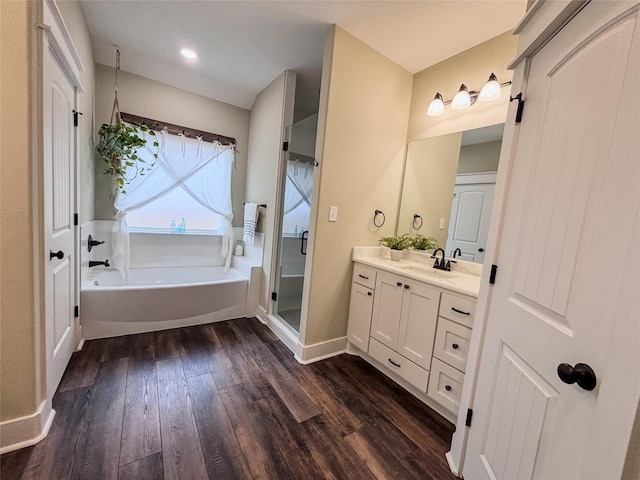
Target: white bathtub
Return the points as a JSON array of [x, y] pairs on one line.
[[159, 298]]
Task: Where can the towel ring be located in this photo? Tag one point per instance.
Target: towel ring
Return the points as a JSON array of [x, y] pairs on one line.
[[416, 217], [375, 216]]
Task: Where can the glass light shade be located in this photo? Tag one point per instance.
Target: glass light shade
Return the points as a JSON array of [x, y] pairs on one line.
[[491, 90], [436, 107], [188, 53], [462, 99]]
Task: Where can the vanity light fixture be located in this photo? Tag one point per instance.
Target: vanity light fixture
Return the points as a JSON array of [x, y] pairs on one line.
[[188, 53], [464, 98]]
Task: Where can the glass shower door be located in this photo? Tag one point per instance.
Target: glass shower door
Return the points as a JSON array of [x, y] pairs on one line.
[[294, 220]]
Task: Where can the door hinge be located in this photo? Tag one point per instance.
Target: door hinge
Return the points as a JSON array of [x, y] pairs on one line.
[[492, 276], [75, 117], [518, 97], [76, 312], [75, 219], [274, 296], [285, 146], [467, 421]]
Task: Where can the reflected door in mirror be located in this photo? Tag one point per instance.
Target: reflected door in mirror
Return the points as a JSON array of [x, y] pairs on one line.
[[469, 222]]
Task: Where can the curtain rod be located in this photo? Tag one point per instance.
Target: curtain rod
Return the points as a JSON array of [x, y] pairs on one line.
[[173, 129]]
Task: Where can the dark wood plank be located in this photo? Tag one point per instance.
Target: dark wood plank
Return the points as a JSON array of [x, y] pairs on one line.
[[301, 406], [141, 425], [167, 344], [332, 452], [426, 466], [288, 437], [99, 455], [148, 468], [194, 348], [379, 459], [345, 411], [223, 457], [264, 459], [181, 450], [13, 464]]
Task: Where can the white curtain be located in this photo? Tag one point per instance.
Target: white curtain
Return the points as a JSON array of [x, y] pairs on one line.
[[202, 169], [299, 183]]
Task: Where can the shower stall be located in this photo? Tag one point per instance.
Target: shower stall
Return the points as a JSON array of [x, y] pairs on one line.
[[294, 217]]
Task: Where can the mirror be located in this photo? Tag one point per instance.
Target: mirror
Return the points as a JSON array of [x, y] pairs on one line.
[[448, 189]]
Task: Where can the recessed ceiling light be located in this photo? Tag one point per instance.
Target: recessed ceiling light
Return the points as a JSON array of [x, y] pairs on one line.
[[188, 53]]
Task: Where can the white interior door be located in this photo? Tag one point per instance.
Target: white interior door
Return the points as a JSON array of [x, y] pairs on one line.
[[561, 294], [58, 209], [469, 222]]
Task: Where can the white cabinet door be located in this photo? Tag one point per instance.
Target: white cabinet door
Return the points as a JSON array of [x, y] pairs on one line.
[[387, 305], [418, 320], [559, 297], [360, 310]]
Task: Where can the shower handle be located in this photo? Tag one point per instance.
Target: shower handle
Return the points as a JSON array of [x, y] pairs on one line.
[[303, 242]]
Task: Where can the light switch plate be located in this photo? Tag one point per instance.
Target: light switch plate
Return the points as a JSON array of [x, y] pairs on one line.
[[441, 227], [333, 214]]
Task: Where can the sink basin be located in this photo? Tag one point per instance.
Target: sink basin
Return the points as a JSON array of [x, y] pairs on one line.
[[429, 271]]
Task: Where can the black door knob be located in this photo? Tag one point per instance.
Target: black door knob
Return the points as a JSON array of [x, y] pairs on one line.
[[59, 255], [481, 249], [582, 374]]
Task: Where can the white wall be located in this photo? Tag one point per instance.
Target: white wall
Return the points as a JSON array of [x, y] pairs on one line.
[[361, 144], [271, 113], [479, 157], [148, 98]]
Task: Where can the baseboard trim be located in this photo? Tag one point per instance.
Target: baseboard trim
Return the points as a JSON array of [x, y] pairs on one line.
[[320, 351], [26, 431], [452, 465]]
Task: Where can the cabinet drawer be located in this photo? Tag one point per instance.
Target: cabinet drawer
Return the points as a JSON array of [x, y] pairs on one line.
[[393, 361], [364, 276], [458, 309], [452, 343], [445, 385]]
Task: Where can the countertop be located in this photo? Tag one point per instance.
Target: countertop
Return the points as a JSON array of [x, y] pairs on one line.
[[422, 271]]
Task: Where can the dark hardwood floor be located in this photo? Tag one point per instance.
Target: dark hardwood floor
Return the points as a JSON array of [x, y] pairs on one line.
[[227, 400]]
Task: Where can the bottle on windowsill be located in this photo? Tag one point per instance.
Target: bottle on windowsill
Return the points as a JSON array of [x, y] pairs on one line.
[[239, 250], [182, 226], [173, 227]]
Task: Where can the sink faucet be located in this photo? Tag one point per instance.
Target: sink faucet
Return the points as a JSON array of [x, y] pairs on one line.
[[441, 264], [457, 251], [95, 264]]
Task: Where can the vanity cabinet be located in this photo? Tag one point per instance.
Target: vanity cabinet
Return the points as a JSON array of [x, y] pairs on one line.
[[451, 350], [416, 330], [405, 314], [361, 306]]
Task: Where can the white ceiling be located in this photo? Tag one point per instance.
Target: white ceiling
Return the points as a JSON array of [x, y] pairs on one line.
[[244, 45]]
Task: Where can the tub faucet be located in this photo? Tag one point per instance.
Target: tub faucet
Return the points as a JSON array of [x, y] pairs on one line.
[[456, 252], [95, 264], [441, 264]]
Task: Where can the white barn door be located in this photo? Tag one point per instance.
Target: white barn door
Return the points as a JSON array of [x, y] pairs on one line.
[[59, 206], [568, 277]]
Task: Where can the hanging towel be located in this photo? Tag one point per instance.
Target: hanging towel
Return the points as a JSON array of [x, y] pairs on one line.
[[250, 222]]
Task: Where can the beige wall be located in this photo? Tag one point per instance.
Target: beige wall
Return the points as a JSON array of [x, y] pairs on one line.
[[429, 179], [471, 67], [361, 149], [74, 19], [480, 157], [270, 115], [18, 383], [148, 98]]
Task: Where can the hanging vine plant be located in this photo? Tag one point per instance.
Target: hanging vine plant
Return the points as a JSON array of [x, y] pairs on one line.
[[119, 142]]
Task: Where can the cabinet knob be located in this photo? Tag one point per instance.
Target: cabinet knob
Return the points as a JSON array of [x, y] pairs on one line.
[[447, 388], [398, 284], [406, 287], [369, 293], [455, 346]]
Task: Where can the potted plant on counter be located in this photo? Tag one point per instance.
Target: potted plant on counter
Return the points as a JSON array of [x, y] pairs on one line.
[[396, 245], [420, 242]]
